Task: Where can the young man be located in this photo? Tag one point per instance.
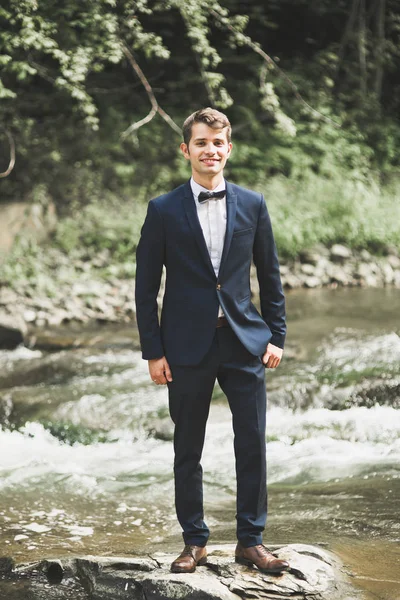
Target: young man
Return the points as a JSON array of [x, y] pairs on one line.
[[207, 232]]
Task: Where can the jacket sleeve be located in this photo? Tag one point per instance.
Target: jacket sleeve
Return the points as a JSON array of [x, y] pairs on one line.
[[272, 300], [149, 264]]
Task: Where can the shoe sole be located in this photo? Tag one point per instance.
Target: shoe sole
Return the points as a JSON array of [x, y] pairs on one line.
[[249, 563], [201, 563]]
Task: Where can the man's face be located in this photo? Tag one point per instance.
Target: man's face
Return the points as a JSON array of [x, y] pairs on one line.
[[207, 151]]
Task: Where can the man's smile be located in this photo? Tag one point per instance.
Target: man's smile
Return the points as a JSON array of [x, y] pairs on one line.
[[209, 161]]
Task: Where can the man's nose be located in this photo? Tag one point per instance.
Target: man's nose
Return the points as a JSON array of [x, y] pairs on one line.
[[210, 149]]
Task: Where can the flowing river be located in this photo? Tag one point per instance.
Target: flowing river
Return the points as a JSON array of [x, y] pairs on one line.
[[86, 453]]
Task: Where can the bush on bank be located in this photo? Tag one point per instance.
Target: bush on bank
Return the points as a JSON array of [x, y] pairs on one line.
[[315, 211]]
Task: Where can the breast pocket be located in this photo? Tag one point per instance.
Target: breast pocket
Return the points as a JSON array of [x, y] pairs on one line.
[[240, 232]]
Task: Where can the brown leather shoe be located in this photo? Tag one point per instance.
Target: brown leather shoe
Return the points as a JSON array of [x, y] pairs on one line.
[[188, 560], [261, 558]]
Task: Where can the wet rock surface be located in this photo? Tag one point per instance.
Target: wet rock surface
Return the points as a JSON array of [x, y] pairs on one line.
[[13, 329], [314, 574]]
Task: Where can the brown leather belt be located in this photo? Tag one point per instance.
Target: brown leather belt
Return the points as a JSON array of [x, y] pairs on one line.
[[222, 322]]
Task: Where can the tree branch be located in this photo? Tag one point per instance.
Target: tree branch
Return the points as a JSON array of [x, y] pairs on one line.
[[170, 122], [270, 61], [12, 155], [155, 108]]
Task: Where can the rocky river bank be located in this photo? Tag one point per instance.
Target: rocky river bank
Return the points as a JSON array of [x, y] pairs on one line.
[[86, 461], [93, 290], [314, 575]]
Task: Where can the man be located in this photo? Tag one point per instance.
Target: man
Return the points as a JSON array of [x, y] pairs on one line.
[[206, 232]]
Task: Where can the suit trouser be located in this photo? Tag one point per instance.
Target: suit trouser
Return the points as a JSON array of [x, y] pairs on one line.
[[241, 376]]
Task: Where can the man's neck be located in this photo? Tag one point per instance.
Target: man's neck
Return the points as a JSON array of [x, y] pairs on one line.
[[207, 182]]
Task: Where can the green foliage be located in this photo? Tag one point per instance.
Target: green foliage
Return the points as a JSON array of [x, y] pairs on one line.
[[111, 225], [98, 242], [339, 210], [68, 92], [29, 264]]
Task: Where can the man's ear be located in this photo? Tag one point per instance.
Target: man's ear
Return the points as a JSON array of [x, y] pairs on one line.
[[185, 150], [229, 149]]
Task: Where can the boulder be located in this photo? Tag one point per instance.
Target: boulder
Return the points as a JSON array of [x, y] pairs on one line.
[[314, 254], [341, 275], [312, 282], [161, 429], [13, 329], [291, 281], [307, 269], [367, 273], [314, 574], [394, 261], [340, 253], [388, 273]]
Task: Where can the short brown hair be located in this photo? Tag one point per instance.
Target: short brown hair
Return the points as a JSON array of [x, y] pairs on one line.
[[211, 117]]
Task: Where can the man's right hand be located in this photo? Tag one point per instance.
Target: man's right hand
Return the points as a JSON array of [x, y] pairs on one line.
[[159, 370]]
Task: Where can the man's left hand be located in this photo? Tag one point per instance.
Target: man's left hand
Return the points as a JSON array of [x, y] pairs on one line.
[[272, 356]]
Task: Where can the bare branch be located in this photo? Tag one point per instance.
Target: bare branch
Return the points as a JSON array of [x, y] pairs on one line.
[[270, 61], [12, 155], [170, 122], [155, 108], [147, 87]]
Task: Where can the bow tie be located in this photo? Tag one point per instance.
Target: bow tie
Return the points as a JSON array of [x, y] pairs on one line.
[[205, 196]]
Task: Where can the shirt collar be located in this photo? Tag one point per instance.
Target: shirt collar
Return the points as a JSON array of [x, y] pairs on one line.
[[197, 188]]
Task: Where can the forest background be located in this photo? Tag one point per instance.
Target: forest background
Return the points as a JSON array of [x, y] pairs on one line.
[[93, 95]]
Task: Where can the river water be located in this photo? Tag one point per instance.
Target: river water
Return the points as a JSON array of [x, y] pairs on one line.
[[86, 456]]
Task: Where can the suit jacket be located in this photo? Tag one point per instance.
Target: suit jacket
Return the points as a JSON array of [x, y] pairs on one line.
[[172, 236]]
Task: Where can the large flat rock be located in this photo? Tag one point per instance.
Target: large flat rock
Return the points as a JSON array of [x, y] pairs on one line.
[[13, 329], [314, 575]]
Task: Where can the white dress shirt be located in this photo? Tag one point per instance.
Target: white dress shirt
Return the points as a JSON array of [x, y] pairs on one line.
[[212, 217]]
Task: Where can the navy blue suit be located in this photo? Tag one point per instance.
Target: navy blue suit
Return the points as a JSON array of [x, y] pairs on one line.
[[198, 354]]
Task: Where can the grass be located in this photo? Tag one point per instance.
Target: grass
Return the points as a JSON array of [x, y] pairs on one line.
[[320, 211]]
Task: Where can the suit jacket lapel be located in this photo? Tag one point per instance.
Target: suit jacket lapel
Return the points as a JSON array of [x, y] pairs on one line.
[[191, 213], [231, 204]]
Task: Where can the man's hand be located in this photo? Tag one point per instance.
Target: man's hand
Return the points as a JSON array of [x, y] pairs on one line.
[[159, 370], [272, 356]]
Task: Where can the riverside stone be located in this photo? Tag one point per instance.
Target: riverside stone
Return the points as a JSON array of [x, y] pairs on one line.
[[365, 255], [312, 282], [369, 275], [388, 273], [291, 281], [338, 274], [315, 574], [394, 261], [90, 299], [396, 278], [393, 250], [13, 329], [7, 296], [313, 255], [162, 429], [307, 269], [340, 253]]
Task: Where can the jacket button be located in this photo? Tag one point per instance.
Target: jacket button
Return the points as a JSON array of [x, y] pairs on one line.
[[218, 286]]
